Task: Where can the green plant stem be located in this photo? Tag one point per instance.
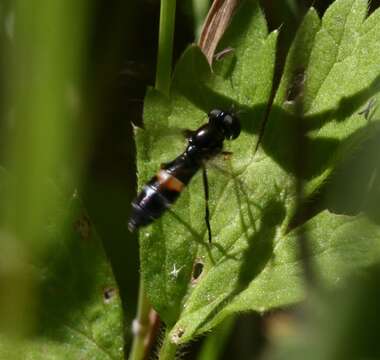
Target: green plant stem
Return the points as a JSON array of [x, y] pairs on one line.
[[168, 349], [165, 46], [141, 325], [215, 344]]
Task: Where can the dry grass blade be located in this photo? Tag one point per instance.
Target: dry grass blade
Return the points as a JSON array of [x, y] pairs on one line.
[[215, 25]]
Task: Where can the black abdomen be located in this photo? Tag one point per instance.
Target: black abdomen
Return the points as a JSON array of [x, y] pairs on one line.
[[160, 192]]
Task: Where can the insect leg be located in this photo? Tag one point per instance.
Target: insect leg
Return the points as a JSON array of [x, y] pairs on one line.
[[207, 210]]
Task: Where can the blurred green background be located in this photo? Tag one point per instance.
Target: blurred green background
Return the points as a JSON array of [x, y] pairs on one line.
[[73, 78]]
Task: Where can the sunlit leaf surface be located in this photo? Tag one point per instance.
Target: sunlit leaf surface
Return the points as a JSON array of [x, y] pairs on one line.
[[253, 263]]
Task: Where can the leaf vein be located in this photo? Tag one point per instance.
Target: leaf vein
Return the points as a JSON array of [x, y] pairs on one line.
[[90, 339]]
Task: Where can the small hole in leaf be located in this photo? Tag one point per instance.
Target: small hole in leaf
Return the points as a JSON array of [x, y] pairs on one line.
[[109, 294], [197, 270]]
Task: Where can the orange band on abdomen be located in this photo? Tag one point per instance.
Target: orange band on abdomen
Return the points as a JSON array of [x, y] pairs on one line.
[[169, 182]]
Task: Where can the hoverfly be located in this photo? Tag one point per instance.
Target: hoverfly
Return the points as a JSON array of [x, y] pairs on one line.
[[164, 188]]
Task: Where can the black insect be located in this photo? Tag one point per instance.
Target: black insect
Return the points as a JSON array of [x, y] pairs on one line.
[[165, 187]]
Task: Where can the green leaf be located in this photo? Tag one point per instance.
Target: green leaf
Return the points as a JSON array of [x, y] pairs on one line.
[[252, 263], [77, 306], [341, 76], [340, 324], [172, 243], [339, 245]]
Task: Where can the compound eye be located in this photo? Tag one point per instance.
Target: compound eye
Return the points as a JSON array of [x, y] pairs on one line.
[[228, 120], [214, 113], [232, 126]]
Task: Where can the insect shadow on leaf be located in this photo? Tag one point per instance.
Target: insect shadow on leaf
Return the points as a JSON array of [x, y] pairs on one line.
[[260, 242], [369, 109], [258, 252], [222, 165]]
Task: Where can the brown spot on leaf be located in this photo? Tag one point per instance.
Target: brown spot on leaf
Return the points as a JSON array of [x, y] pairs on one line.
[[83, 227]]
